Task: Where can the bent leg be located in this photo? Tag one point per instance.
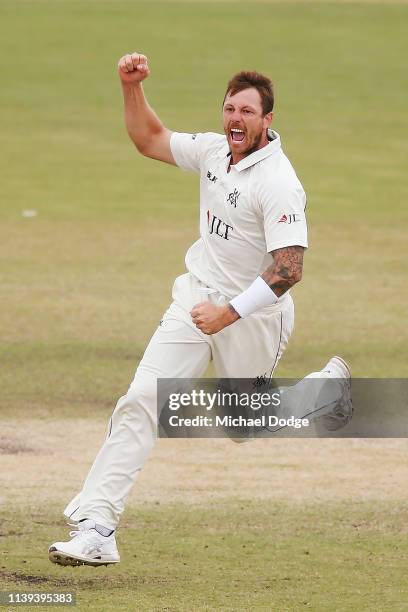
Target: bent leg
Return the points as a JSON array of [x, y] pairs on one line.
[[312, 397], [176, 350]]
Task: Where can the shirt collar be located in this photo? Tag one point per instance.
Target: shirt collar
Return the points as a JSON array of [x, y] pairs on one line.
[[255, 157]]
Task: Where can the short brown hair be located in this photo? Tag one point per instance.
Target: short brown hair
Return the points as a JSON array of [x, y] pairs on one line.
[[245, 80]]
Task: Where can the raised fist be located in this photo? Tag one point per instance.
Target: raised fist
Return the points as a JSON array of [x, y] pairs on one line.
[[133, 68]]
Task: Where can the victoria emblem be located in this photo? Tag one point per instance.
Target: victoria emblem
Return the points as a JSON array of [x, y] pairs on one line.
[[233, 198]]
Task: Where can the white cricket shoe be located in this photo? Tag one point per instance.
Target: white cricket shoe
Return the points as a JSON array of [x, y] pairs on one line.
[[87, 547], [342, 412]]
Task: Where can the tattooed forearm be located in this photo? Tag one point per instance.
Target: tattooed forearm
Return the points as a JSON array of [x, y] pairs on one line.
[[286, 269]]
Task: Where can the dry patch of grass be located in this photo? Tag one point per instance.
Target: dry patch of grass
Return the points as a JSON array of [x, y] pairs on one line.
[[55, 464]]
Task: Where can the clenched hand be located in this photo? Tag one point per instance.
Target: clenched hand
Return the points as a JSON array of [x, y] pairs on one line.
[[133, 68], [211, 319]]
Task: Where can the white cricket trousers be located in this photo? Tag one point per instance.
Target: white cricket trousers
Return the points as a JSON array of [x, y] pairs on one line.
[[248, 348]]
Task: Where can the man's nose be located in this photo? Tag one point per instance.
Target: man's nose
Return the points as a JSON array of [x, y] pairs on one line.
[[236, 116]]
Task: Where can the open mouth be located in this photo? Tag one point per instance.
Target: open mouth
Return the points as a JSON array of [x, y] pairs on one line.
[[237, 135]]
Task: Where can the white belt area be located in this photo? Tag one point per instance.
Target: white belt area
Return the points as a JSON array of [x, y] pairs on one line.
[[207, 292]]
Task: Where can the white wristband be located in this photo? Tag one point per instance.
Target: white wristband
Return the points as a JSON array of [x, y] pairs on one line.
[[258, 295]]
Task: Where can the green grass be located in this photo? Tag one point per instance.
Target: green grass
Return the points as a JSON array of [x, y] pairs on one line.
[[236, 555], [85, 282]]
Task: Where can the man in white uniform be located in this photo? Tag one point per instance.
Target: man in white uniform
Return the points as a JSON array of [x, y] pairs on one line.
[[232, 306]]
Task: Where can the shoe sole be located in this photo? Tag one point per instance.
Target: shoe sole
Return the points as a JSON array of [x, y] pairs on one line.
[[346, 365], [61, 558]]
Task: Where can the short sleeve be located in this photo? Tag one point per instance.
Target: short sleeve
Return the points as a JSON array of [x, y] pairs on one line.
[[186, 150], [283, 207], [190, 150]]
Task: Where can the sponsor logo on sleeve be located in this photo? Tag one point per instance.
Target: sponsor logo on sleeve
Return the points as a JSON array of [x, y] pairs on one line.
[[292, 218]]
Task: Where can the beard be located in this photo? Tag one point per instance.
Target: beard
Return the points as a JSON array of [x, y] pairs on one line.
[[253, 144]]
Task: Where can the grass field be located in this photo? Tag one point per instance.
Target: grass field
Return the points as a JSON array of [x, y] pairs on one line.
[[318, 525]]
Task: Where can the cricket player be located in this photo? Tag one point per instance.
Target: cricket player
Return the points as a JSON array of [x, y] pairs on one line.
[[233, 306]]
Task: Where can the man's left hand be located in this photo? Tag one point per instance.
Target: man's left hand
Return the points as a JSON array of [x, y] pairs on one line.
[[211, 319]]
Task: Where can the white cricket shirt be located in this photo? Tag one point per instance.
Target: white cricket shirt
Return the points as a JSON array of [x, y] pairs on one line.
[[256, 207]]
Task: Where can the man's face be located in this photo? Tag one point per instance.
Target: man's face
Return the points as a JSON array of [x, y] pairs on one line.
[[244, 123]]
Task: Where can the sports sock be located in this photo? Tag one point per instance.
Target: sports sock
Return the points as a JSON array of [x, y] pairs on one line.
[[103, 531]]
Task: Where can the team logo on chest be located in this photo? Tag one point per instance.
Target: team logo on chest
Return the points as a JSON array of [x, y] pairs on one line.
[[233, 198], [218, 226]]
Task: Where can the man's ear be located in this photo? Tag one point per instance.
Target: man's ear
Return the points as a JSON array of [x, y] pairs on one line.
[[268, 118]]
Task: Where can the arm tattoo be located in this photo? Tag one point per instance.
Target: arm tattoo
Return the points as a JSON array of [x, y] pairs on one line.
[[286, 269]]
